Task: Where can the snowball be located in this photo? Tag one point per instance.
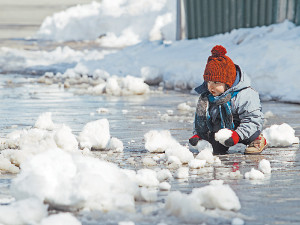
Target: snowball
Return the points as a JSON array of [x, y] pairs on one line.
[[149, 162], [158, 141], [280, 135], [264, 166], [148, 195], [163, 174], [95, 134], [222, 135], [254, 175]]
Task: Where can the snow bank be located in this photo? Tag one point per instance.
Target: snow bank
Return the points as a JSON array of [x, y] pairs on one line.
[[280, 135], [115, 23]]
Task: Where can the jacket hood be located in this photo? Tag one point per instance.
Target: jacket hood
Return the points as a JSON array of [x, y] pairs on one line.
[[242, 81]]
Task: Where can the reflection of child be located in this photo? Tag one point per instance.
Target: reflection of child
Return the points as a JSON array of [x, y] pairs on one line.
[[227, 104]]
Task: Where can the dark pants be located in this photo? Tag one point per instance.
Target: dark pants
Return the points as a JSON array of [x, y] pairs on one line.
[[219, 149]]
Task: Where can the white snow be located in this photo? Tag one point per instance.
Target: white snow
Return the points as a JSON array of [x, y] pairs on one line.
[[214, 196], [254, 175], [222, 135], [280, 135], [265, 166]]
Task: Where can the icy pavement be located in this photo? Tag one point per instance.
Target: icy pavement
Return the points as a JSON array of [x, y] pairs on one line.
[[272, 200]]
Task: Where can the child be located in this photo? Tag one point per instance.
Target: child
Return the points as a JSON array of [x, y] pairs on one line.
[[227, 104]]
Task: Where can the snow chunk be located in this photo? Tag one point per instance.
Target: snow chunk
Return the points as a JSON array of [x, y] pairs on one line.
[[95, 135], [26, 211], [254, 175], [215, 195], [264, 166], [280, 135], [69, 182], [162, 141], [45, 121]]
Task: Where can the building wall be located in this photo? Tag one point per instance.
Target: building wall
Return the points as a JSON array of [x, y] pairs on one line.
[[209, 17]]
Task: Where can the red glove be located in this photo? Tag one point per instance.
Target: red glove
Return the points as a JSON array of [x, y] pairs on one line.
[[194, 140], [227, 137]]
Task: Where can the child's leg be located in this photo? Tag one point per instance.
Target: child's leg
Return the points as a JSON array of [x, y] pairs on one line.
[[218, 149]]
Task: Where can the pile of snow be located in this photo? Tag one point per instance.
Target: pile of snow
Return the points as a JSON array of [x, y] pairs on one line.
[[21, 145], [280, 135], [73, 181], [214, 196], [116, 23], [162, 141]]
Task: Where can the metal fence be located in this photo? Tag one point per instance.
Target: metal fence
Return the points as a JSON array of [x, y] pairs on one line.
[[209, 17]]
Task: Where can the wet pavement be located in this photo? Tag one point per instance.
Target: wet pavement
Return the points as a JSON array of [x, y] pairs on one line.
[[274, 200]]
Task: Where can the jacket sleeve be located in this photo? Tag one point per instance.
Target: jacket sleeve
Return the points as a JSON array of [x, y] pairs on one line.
[[248, 107]]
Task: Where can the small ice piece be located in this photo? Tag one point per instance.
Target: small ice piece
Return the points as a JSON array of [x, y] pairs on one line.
[[206, 155], [237, 221], [149, 161], [164, 186], [163, 175], [268, 115], [197, 163], [102, 110], [116, 145], [182, 173], [264, 166], [148, 195], [254, 175], [44, 121], [184, 107]]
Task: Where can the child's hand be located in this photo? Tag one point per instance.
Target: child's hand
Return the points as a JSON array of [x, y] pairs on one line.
[[194, 140], [227, 137]]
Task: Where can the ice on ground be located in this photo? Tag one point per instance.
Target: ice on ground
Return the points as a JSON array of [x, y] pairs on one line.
[[65, 139], [280, 135], [163, 174], [254, 175], [164, 186], [214, 196], [265, 166], [184, 107], [95, 135], [162, 141], [61, 219], [72, 181], [204, 145]]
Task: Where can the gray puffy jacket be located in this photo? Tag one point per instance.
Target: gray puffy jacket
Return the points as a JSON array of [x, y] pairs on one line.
[[245, 106]]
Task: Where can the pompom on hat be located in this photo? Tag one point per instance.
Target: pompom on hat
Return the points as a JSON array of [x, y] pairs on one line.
[[219, 67]]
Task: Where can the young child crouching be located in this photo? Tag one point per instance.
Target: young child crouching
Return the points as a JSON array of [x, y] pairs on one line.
[[227, 102]]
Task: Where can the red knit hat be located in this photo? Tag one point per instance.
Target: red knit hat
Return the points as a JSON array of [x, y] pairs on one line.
[[219, 67]]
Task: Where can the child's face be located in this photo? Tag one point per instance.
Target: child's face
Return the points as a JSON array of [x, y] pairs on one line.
[[216, 88]]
